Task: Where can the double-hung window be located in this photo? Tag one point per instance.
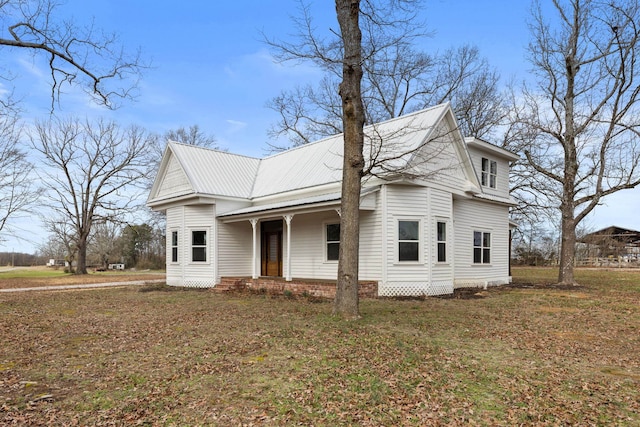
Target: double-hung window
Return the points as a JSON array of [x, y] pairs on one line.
[[481, 247], [408, 240], [174, 246], [441, 238], [332, 233], [199, 246], [489, 173]]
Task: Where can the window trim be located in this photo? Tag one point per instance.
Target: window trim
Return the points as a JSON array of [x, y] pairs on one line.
[[444, 242], [326, 242], [419, 241], [205, 246], [482, 247], [489, 176], [175, 246]]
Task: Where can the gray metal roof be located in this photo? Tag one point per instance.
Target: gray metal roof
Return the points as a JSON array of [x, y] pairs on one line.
[[218, 173], [214, 172]]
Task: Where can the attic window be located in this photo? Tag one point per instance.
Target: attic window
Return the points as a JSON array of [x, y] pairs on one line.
[[489, 172]]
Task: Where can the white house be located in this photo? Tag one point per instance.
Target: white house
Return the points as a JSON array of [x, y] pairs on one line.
[[434, 211]]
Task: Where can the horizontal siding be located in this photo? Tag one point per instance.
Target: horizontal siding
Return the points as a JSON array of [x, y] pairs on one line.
[[370, 267], [423, 277], [441, 210], [406, 202], [502, 176], [175, 181], [185, 219], [308, 246], [235, 244], [470, 216], [440, 161], [174, 223]]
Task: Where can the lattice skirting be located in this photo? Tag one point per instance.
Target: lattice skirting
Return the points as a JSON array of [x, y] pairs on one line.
[[415, 289], [192, 283]]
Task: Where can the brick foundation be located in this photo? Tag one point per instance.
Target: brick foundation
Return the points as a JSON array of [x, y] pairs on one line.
[[279, 286]]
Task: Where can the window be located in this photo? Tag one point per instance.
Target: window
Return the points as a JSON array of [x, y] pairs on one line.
[[489, 173], [199, 246], [333, 241], [441, 236], [174, 246], [408, 240], [481, 247]]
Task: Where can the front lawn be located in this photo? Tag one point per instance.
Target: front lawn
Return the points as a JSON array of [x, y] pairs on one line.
[[530, 355]]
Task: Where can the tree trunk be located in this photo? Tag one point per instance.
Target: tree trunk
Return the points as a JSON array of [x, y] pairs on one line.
[[567, 246], [81, 266], [346, 300]]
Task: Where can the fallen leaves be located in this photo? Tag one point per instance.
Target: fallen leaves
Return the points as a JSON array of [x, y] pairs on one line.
[[530, 356]]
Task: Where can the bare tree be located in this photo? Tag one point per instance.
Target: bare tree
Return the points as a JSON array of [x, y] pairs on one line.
[[582, 119], [391, 23], [397, 80], [76, 55], [103, 243], [346, 301], [15, 170], [91, 171]]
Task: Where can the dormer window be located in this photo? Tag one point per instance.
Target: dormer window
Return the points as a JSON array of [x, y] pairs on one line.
[[489, 173]]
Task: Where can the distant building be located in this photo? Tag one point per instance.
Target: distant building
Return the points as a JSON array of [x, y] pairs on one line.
[[613, 242], [118, 266]]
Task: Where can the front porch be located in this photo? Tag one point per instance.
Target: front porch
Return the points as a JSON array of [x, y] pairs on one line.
[[280, 286]]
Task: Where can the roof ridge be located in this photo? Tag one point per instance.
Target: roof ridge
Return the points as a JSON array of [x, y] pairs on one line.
[[215, 150], [370, 126]]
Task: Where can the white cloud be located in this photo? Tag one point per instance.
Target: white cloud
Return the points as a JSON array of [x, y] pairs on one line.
[[235, 125]]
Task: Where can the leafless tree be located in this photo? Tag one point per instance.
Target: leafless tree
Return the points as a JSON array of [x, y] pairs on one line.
[[16, 192], [103, 243], [367, 29], [76, 55], [92, 169], [397, 80], [582, 118], [62, 239]]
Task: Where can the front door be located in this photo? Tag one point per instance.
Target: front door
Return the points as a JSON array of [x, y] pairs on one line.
[[271, 237]]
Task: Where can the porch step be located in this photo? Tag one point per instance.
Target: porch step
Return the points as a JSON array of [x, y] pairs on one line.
[[230, 284]]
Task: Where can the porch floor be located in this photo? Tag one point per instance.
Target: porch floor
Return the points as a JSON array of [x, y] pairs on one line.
[[279, 286]]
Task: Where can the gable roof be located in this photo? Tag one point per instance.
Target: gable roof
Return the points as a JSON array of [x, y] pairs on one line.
[[222, 174]]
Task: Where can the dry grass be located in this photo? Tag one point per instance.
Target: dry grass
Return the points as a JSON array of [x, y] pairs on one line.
[[31, 277], [529, 355]]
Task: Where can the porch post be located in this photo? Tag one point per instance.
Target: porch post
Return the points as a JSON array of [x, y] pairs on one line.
[[254, 270], [288, 219]]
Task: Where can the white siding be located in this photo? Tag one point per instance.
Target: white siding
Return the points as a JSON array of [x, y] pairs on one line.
[[184, 220], [470, 216], [502, 176], [174, 182], [370, 267], [308, 259], [439, 161], [175, 222], [415, 278], [235, 244]]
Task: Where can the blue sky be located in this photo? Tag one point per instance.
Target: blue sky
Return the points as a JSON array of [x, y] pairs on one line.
[[210, 67]]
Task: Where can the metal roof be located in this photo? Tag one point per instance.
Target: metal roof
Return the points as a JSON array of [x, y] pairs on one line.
[[218, 173], [214, 172]]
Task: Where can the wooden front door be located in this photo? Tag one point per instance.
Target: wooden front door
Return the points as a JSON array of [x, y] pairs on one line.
[[271, 237]]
